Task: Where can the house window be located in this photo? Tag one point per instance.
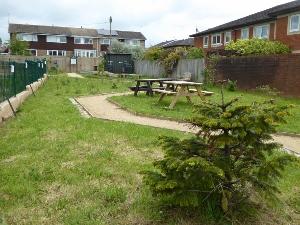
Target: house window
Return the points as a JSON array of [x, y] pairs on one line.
[[85, 53], [205, 41], [262, 31], [105, 41], [56, 39], [135, 42], [216, 40], [294, 23], [56, 52], [83, 40], [245, 33], [227, 38], [27, 37]]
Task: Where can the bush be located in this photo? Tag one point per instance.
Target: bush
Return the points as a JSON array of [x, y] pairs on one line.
[[18, 47], [229, 160], [256, 46], [231, 85], [195, 53], [137, 52], [153, 53]]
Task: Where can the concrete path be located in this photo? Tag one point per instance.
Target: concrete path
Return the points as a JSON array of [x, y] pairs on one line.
[[99, 107], [74, 75]]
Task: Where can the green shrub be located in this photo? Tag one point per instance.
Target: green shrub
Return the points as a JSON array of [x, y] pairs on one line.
[[153, 53], [231, 85], [195, 53], [232, 158], [256, 46]]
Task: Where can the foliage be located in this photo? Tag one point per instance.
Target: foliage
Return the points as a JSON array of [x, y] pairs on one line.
[[256, 46], [18, 47], [53, 70], [170, 59], [121, 48], [153, 53], [210, 70], [231, 158], [0, 41], [195, 53], [101, 67], [231, 85], [267, 90]]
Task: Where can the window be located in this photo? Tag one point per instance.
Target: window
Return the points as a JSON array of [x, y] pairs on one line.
[[294, 23], [105, 41], [205, 41], [56, 52], [261, 31], [85, 53], [227, 37], [27, 37], [56, 39], [245, 33], [83, 40], [135, 42], [216, 40]]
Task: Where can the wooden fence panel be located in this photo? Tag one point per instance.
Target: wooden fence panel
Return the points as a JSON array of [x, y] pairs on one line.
[[155, 69]]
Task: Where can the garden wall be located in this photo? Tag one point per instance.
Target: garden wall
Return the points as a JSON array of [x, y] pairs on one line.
[[281, 72], [154, 69], [16, 101], [62, 63]]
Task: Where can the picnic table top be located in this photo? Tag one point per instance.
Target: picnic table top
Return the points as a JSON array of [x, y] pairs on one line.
[[156, 79], [179, 82]]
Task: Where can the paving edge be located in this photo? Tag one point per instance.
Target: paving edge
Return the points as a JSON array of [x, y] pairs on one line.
[[180, 121]]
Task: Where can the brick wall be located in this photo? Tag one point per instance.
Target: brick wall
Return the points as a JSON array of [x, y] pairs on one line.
[[282, 35], [281, 72]]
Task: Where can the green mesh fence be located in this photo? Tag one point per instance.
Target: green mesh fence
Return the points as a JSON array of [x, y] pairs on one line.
[[15, 76]]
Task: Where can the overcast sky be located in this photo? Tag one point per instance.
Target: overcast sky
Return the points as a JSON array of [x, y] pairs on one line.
[[158, 20]]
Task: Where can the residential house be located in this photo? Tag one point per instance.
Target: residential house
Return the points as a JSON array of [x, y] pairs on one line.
[[280, 23], [57, 41], [70, 41], [131, 38], [189, 42]]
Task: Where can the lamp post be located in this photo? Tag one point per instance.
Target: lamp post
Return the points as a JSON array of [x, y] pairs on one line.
[[110, 21]]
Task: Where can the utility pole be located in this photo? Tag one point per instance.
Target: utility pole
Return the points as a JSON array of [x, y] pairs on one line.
[[110, 21]]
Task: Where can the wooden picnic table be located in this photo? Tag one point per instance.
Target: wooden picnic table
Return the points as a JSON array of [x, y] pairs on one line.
[[183, 89], [147, 85]]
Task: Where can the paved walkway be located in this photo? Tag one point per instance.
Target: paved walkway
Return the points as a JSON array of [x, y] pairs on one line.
[[74, 75], [98, 106]]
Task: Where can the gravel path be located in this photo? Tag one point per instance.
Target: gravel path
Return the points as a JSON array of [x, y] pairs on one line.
[[98, 106], [74, 75]]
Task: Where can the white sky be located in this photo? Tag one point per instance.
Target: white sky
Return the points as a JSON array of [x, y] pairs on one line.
[[158, 20]]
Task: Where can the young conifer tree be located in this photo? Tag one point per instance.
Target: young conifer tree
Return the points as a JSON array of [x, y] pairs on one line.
[[232, 157]]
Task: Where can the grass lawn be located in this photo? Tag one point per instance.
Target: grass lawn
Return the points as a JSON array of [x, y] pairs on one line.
[[57, 167], [148, 106]]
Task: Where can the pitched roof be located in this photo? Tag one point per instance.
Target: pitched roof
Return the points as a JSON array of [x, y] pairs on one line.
[[176, 43], [41, 29], [130, 35], [107, 32], [262, 16]]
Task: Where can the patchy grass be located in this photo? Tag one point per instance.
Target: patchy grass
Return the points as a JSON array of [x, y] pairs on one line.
[[57, 167], [149, 106]]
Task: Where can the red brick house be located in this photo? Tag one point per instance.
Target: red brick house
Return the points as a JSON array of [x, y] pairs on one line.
[[280, 23], [71, 41]]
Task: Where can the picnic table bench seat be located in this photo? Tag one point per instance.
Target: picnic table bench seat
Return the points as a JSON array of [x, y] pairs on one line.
[[165, 91], [145, 88], [206, 93]]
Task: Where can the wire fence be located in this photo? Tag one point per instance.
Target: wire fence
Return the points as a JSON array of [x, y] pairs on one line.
[[15, 76]]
